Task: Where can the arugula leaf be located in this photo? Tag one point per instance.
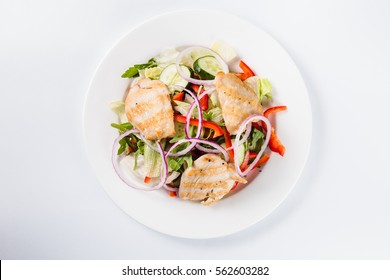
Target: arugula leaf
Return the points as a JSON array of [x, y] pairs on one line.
[[123, 146], [175, 163], [122, 127], [133, 71]]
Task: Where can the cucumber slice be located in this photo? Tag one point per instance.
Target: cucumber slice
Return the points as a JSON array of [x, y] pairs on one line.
[[241, 151], [169, 75], [207, 67]]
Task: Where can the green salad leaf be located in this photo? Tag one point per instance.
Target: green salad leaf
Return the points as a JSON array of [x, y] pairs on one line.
[[256, 140], [133, 71], [122, 127], [265, 89], [175, 163]]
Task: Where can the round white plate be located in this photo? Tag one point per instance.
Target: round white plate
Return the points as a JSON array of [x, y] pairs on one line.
[[267, 58]]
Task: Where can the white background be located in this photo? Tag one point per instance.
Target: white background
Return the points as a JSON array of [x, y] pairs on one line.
[[53, 207]]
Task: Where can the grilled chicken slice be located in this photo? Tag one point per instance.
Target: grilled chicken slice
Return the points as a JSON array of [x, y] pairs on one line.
[[148, 108], [209, 179], [238, 101]]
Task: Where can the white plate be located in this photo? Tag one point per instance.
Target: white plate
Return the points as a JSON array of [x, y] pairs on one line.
[[259, 198]]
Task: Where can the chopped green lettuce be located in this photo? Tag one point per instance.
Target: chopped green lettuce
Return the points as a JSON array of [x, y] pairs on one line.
[[166, 57], [256, 140], [118, 107], [214, 115], [265, 89], [152, 162], [153, 73], [261, 86]]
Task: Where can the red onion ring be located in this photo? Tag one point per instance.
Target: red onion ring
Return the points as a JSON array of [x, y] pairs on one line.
[[147, 142], [206, 91], [206, 150], [252, 118], [196, 100], [188, 117], [115, 163], [198, 141], [223, 64], [246, 135]]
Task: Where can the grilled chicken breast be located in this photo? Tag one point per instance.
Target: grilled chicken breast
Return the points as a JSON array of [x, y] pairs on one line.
[[238, 101], [148, 108], [209, 179]]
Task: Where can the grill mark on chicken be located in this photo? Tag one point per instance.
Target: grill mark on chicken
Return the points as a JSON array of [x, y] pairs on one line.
[[238, 101], [208, 180], [148, 108]]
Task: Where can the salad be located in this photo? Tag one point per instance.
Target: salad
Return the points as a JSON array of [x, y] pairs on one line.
[[192, 125]]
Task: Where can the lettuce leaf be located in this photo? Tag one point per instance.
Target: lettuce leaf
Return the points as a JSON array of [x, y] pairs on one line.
[[214, 115], [256, 140], [152, 162], [118, 107], [265, 89]]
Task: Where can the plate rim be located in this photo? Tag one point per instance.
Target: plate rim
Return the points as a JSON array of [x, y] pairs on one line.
[[224, 14]]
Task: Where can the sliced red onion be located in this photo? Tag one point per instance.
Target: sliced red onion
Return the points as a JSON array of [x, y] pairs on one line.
[[223, 64], [188, 117], [147, 142], [197, 141], [252, 118], [206, 91], [181, 153], [206, 150], [246, 135], [171, 189], [164, 166], [115, 162]]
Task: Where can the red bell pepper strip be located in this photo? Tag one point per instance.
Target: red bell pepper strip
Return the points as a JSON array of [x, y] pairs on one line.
[[204, 101], [245, 162], [274, 143], [228, 143], [252, 155], [172, 194], [234, 186], [247, 71], [274, 110], [261, 161], [195, 122], [196, 88], [178, 96]]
